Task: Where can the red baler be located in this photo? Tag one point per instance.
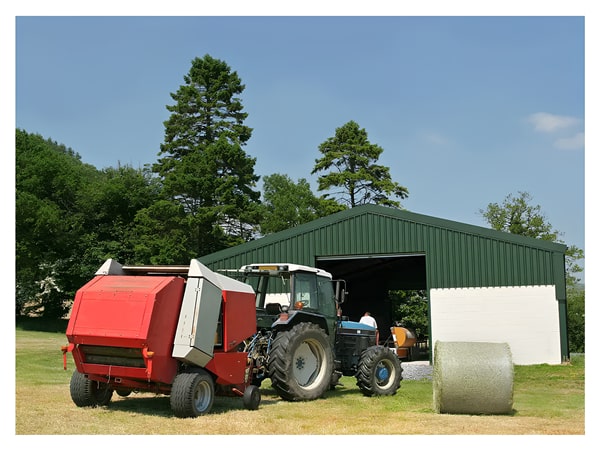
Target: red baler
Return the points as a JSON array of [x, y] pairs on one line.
[[176, 330]]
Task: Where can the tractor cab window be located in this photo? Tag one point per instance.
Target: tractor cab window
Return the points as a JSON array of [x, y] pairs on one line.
[[305, 291], [269, 289], [326, 296]]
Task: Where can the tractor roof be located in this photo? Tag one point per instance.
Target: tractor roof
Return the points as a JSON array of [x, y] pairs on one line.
[[280, 268]]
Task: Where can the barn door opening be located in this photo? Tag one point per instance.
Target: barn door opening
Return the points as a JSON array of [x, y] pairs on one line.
[[374, 283]]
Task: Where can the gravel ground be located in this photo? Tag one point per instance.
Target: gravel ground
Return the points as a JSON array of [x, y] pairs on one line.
[[417, 370]]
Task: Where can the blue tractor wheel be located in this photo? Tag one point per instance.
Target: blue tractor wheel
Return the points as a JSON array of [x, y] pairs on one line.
[[379, 372]]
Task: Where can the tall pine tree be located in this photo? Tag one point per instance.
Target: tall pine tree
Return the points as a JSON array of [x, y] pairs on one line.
[[349, 159], [202, 164]]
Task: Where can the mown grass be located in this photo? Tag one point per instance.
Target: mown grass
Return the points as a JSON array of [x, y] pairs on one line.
[[550, 391], [547, 400]]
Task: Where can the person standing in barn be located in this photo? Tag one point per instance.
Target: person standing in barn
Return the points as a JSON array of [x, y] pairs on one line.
[[368, 319]]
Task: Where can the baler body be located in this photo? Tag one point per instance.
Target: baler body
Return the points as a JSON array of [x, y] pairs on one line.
[[122, 328], [135, 330]]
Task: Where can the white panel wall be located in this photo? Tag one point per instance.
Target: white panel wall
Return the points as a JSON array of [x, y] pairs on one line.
[[525, 317]]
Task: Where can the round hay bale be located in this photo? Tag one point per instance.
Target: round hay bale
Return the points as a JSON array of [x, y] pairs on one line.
[[472, 378]]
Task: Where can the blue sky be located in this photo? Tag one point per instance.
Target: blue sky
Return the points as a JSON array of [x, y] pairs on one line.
[[466, 109]]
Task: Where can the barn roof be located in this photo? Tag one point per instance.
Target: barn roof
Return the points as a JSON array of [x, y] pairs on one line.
[[458, 254]]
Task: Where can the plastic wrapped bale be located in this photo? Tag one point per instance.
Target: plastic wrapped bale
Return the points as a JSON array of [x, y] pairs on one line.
[[472, 378]]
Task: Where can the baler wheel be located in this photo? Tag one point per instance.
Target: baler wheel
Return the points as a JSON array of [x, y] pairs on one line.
[[88, 393], [379, 372], [121, 392], [192, 394], [251, 397], [301, 362]]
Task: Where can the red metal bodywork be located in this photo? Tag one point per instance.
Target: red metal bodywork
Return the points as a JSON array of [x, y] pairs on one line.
[[127, 312], [239, 323]]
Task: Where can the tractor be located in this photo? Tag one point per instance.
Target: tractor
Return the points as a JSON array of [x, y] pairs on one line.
[[304, 344]]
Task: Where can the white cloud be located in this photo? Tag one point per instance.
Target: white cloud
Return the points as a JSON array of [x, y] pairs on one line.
[[571, 143], [548, 123]]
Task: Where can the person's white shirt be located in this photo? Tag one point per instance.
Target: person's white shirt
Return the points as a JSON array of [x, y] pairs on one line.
[[369, 320]]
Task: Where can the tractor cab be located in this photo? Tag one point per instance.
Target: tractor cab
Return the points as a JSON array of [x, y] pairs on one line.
[[286, 290]]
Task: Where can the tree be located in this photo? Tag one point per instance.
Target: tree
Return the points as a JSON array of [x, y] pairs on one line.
[[203, 166], [70, 217], [161, 234], [576, 323], [49, 178], [287, 204], [516, 215], [410, 308], [350, 159], [110, 205]]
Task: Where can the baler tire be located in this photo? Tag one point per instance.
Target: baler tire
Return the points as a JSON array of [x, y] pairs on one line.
[[251, 397], [379, 372], [123, 392], [301, 363], [102, 393], [81, 392], [192, 394], [87, 393]]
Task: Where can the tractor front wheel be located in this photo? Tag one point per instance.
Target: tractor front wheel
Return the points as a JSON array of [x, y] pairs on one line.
[[379, 372], [192, 394], [301, 362]]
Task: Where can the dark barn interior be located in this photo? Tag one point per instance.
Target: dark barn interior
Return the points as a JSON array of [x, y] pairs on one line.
[[369, 280]]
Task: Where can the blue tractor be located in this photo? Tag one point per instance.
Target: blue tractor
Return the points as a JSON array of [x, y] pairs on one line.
[[303, 344]]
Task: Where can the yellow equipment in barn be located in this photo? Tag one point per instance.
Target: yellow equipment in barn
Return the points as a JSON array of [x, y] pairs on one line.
[[404, 339]]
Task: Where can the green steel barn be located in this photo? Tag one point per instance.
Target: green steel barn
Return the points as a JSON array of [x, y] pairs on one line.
[[482, 285]]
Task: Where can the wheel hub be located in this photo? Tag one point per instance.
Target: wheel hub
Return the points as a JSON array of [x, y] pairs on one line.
[[382, 373], [306, 364]]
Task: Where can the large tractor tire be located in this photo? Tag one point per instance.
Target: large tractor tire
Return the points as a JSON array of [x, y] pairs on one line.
[[89, 393], [379, 372], [301, 362], [192, 394]]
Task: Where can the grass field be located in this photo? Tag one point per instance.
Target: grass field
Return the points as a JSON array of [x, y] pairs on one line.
[[548, 400]]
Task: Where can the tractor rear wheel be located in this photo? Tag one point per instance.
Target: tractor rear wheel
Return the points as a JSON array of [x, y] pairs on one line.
[[89, 393], [379, 372], [301, 362], [192, 394]]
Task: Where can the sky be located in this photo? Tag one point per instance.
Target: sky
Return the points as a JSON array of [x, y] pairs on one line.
[[467, 108]]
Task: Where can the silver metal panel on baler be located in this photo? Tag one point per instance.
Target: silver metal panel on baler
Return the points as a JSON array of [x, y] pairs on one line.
[[195, 335]]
